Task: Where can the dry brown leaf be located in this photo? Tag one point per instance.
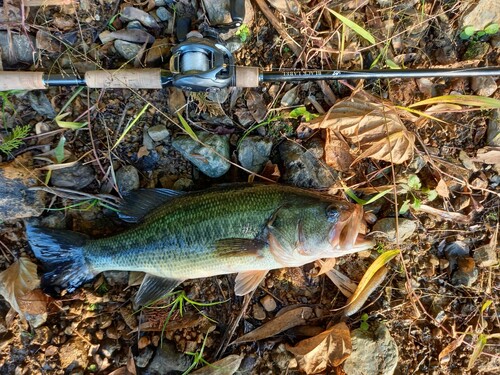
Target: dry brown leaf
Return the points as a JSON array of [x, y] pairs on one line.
[[444, 356], [256, 106], [17, 281], [442, 189], [337, 152], [488, 155], [225, 366], [294, 317], [331, 347], [375, 128], [271, 171]]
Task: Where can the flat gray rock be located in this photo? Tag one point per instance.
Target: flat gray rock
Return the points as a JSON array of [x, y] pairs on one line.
[[16, 200], [207, 159], [254, 152], [127, 178], [482, 14], [387, 227], [373, 352], [75, 177], [126, 49], [18, 48], [304, 166]]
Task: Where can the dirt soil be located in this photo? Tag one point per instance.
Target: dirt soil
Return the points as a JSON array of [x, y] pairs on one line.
[[439, 307]]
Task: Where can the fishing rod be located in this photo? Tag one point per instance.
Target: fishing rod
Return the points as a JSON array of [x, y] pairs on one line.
[[202, 63]]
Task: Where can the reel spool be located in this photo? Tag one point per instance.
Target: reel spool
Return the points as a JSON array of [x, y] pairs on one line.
[[199, 64]]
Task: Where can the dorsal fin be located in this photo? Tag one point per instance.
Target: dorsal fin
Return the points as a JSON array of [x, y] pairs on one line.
[[139, 203]]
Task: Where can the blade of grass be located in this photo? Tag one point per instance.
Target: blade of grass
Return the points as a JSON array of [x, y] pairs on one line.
[[186, 127], [354, 26], [362, 202], [470, 100], [130, 125]]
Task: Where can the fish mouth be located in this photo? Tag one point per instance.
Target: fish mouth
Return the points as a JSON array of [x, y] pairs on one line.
[[344, 235]]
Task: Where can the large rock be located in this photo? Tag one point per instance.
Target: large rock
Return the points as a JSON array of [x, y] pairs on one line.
[[482, 14], [207, 159], [254, 152], [167, 360], [75, 177], [387, 227], [304, 167], [16, 200], [373, 352], [17, 48]]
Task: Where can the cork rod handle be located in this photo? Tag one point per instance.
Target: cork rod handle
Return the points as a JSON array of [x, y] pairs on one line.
[[125, 78], [21, 81]]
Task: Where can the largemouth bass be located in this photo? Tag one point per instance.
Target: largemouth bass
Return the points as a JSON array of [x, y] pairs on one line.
[[244, 229]]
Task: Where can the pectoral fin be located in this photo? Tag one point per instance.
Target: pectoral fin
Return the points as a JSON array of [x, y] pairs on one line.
[[239, 247], [154, 288], [248, 281], [279, 250]]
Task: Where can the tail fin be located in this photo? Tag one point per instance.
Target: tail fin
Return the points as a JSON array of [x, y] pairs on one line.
[[61, 253]]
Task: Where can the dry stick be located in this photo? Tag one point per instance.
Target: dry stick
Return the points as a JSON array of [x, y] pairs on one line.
[[277, 25], [230, 331]]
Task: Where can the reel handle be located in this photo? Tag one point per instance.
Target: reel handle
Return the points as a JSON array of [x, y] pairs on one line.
[[237, 10]]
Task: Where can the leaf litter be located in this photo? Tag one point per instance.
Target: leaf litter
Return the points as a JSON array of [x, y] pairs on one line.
[[373, 128]]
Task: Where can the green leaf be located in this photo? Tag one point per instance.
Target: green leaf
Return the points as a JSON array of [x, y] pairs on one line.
[[485, 306], [186, 127], [298, 112], [302, 112], [469, 31], [362, 202], [414, 182], [480, 34], [130, 125], [404, 207], [416, 203], [59, 150], [391, 64], [354, 26], [73, 125], [492, 28], [432, 194], [464, 36]]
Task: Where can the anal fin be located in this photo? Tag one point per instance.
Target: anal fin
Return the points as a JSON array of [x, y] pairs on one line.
[[248, 281], [153, 288]]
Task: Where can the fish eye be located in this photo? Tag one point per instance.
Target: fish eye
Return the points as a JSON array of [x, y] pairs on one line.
[[332, 213]]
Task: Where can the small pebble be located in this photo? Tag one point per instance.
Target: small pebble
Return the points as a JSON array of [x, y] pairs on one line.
[[268, 303], [143, 342], [163, 14], [258, 312], [158, 133]]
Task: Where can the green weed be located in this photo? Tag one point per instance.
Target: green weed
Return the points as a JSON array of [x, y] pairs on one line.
[[179, 305], [243, 33], [15, 139], [197, 358], [471, 34], [364, 326], [412, 189]]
